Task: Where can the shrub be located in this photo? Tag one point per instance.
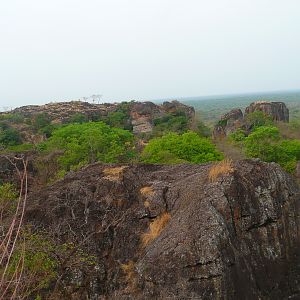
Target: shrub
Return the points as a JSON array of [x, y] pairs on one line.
[[40, 121], [78, 118], [8, 196], [9, 136], [90, 142], [261, 142], [257, 119], [237, 136], [267, 144], [173, 148]]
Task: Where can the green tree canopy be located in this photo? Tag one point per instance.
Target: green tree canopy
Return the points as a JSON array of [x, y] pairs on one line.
[[267, 144], [9, 136], [175, 148], [90, 142], [258, 118]]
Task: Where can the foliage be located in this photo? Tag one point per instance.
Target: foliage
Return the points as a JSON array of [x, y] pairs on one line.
[[39, 265], [177, 122], [78, 118], [174, 148], [90, 142], [21, 148], [267, 144], [9, 136], [261, 142], [257, 119], [45, 262], [222, 123], [12, 117], [118, 119], [237, 136], [8, 196], [202, 129], [41, 121]]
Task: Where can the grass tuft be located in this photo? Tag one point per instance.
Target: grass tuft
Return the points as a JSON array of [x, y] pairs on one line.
[[155, 228], [223, 167], [147, 191], [114, 174]]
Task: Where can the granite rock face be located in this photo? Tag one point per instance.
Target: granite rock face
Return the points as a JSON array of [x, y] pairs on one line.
[[140, 114], [228, 123], [235, 119], [235, 238], [144, 113], [277, 110]]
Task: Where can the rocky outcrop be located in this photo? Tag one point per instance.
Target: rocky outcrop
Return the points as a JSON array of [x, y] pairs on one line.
[[61, 112], [228, 123], [144, 113], [140, 114], [277, 110], [235, 119], [235, 238]]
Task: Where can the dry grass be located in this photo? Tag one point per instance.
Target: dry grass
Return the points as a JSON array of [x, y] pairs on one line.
[[223, 167], [129, 271], [130, 276], [155, 228], [114, 174], [147, 191]]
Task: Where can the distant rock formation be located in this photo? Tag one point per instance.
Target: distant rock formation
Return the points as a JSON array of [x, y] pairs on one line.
[[235, 119], [277, 110], [235, 238], [140, 114], [228, 123], [144, 113]]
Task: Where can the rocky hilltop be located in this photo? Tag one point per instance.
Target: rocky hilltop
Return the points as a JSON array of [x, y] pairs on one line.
[[172, 232], [235, 119], [141, 115], [277, 110]]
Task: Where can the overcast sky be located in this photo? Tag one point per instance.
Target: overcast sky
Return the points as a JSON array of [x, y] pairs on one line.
[[55, 50]]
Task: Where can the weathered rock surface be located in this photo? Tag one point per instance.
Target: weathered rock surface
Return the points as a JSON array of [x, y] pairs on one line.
[[228, 123], [140, 114], [277, 110], [235, 119], [235, 238]]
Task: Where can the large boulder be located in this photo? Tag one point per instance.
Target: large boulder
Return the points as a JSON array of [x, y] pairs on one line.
[[235, 236], [235, 119], [228, 123], [276, 110]]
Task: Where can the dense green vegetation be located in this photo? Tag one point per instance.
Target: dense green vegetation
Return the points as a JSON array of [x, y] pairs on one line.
[[268, 144], [175, 148], [9, 136], [90, 142], [86, 138]]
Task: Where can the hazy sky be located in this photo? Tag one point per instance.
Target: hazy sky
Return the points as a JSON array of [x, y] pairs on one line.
[[54, 50]]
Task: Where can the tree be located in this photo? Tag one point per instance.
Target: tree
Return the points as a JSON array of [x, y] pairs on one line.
[[41, 120], [261, 143], [267, 144], [257, 119], [174, 148], [90, 142], [9, 136]]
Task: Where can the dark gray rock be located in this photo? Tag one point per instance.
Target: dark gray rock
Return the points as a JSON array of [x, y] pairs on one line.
[[235, 238], [228, 123]]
